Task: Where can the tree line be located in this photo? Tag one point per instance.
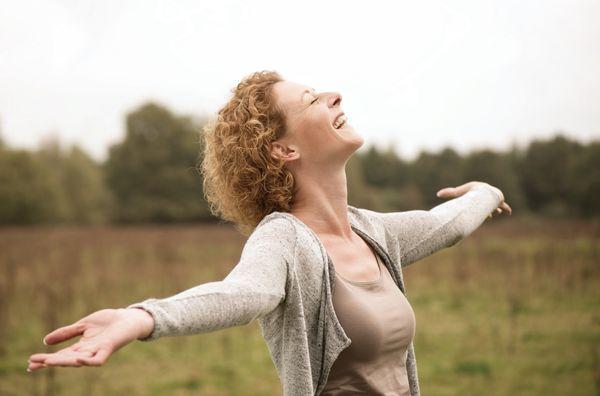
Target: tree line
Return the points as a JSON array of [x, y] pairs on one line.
[[151, 176]]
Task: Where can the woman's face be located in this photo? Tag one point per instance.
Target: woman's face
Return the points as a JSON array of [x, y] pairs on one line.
[[311, 121]]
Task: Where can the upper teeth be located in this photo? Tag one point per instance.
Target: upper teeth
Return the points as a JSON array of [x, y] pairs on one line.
[[340, 120]]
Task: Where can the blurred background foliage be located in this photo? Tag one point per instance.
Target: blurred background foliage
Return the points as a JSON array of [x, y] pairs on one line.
[[151, 177]]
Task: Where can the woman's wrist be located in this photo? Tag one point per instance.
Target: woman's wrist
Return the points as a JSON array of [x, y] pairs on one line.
[[144, 321]]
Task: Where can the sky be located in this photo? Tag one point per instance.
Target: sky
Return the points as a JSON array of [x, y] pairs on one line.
[[418, 75]]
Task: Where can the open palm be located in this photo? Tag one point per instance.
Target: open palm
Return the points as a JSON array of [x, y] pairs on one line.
[[102, 333]]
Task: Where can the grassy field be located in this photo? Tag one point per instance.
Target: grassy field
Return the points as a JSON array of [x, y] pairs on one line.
[[514, 309]]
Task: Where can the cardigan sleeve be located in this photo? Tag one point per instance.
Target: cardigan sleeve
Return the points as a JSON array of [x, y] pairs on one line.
[[253, 288], [423, 232]]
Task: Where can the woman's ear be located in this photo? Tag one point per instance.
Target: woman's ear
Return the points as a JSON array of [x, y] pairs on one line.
[[283, 151]]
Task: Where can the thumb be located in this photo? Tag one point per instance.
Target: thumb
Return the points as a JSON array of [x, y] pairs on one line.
[[446, 192], [64, 333]]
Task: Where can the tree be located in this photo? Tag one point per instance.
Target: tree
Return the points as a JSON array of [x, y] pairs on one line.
[[585, 180], [432, 172], [384, 168], [29, 193], [85, 198], [359, 193], [152, 172], [498, 169], [546, 172]]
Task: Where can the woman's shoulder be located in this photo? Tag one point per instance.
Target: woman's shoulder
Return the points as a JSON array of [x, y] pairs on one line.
[[369, 221], [275, 229], [276, 220], [363, 216]]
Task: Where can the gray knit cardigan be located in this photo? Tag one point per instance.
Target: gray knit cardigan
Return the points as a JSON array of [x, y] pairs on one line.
[[284, 278]]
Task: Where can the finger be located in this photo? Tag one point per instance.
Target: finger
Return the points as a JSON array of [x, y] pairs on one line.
[[63, 360], [451, 192], [64, 333], [446, 192], [35, 366], [506, 207], [64, 353], [97, 360], [39, 357]]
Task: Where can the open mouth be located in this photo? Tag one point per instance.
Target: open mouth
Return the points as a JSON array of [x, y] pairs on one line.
[[340, 121]]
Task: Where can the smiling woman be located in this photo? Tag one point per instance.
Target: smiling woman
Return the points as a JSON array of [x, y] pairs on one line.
[[313, 267]]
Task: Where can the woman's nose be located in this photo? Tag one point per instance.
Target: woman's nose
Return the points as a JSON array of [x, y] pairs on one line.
[[335, 99]]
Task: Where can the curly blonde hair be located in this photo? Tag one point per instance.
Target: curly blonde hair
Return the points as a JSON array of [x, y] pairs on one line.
[[242, 182]]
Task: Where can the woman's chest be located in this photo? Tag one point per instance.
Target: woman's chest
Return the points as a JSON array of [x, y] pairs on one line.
[[355, 261], [375, 315]]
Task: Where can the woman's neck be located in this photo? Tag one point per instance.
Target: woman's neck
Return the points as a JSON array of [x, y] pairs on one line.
[[321, 202]]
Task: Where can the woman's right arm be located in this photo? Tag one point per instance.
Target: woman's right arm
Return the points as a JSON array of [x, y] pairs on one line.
[[253, 288]]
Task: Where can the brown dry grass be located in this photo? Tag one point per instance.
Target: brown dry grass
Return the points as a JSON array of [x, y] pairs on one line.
[[513, 309]]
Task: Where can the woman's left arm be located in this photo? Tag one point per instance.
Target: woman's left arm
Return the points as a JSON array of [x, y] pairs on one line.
[[421, 233]]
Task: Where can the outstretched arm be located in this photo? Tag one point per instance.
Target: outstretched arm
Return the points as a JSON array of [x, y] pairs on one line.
[[254, 287], [423, 232]]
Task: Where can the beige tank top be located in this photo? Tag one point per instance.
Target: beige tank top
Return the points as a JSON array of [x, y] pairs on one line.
[[380, 322]]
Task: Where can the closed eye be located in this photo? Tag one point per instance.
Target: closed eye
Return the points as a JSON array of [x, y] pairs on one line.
[[314, 100]]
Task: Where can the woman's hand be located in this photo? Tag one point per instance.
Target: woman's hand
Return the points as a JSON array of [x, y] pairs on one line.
[[102, 333], [453, 192]]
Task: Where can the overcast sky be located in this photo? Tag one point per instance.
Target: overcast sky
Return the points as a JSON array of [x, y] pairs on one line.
[[418, 74]]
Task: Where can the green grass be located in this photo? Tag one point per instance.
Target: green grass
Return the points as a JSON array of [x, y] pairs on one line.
[[511, 310]]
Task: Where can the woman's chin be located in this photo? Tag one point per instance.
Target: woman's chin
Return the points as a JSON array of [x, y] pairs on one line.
[[359, 141], [347, 133], [350, 139]]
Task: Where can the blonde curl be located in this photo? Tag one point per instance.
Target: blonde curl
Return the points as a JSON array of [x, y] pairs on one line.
[[242, 182]]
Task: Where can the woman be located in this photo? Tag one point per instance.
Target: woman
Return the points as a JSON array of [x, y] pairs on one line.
[[323, 278]]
